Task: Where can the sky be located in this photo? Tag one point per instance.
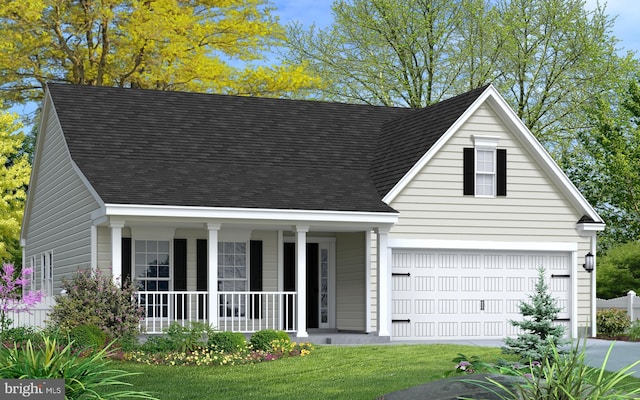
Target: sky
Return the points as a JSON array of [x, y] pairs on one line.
[[626, 28]]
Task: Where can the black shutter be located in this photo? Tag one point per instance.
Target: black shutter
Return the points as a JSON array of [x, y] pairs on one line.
[[202, 265], [469, 171], [255, 275], [501, 178], [180, 264], [126, 260], [180, 275]]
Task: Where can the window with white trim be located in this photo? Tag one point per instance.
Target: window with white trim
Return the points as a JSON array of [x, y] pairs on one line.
[[485, 175], [33, 273], [152, 270], [152, 274], [233, 276], [485, 168], [46, 278]]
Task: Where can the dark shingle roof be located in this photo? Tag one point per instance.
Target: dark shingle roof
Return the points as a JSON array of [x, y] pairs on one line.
[[188, 149]]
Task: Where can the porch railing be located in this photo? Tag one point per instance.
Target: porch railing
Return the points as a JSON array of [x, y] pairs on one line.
[[238, 311]]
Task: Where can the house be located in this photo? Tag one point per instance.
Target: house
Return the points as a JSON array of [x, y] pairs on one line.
[[254, 213]]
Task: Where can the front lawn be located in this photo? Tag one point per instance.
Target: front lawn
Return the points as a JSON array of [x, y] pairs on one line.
[[329, 372]]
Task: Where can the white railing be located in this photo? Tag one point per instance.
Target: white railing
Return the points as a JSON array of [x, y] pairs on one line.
[[35, 317], [238, 312], [630, 303]]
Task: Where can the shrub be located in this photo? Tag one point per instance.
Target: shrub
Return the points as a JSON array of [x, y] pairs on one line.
[[634, 330], [19, 334], [262, 340], [87, 336], [612, 322], [85, 377], [179, 338], [93, 299], [539, 333], [227, 342], [157, 344]]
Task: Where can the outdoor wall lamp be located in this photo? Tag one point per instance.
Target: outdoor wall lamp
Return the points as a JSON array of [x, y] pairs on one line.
[[588, 262]]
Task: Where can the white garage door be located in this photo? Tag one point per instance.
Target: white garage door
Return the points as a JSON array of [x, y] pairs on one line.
[[452, 294]]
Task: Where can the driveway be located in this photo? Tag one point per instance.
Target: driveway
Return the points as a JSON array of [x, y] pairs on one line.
[[622, 353]]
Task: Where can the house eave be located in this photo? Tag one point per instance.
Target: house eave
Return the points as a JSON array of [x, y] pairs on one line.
[[258, 216]]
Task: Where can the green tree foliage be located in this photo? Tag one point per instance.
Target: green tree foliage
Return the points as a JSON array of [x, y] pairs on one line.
[[160, 44], [14, 178], [610, 173], [548, 57], [540, 336], [618, 271]]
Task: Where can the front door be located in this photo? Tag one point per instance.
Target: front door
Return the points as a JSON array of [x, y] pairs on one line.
[[313, 281]]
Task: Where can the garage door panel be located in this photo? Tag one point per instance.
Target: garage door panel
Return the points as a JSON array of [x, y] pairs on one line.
[[469, 294]]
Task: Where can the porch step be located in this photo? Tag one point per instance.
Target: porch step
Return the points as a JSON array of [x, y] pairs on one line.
[[342, 338]]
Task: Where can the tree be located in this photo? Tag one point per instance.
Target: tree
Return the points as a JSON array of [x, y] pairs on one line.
[[390, 52], [190, 45], [618, 271], [14, 178], [539, 334], [548, 57], [610, 176]]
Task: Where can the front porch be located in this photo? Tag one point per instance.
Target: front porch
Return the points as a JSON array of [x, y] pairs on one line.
[[245, 312]]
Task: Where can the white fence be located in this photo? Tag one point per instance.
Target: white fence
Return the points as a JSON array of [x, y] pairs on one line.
[[239, 311], [630, 303], [35, 317]]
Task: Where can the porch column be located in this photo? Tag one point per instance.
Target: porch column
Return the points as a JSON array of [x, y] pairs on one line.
[[212, 275], [116, 251], [301, 283], [384, 283]]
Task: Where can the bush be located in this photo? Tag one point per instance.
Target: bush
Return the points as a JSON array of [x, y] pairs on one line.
[[227, 342], [179, 338], [634, 330], [612, 322], [19, 334], [87, 336], [262, 340], [93, 299], [85, 377]]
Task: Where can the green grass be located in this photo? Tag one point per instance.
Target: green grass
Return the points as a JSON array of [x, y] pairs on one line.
[[330, 372]]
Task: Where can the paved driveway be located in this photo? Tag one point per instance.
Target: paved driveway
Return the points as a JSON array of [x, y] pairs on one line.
[[622, 353]]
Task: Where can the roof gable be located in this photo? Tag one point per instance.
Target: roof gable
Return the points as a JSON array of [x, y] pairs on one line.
[[491, 97]]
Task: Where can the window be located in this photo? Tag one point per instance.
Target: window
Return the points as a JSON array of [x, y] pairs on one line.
[[232, 277], [485, 173], [152, 265], [152, 273], [46, 278], [485, 168], [33, 273]]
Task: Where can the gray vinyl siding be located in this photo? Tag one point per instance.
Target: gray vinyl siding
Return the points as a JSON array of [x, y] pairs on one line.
[[350, 281], [269, 259], [432, 205], [60, 206]]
